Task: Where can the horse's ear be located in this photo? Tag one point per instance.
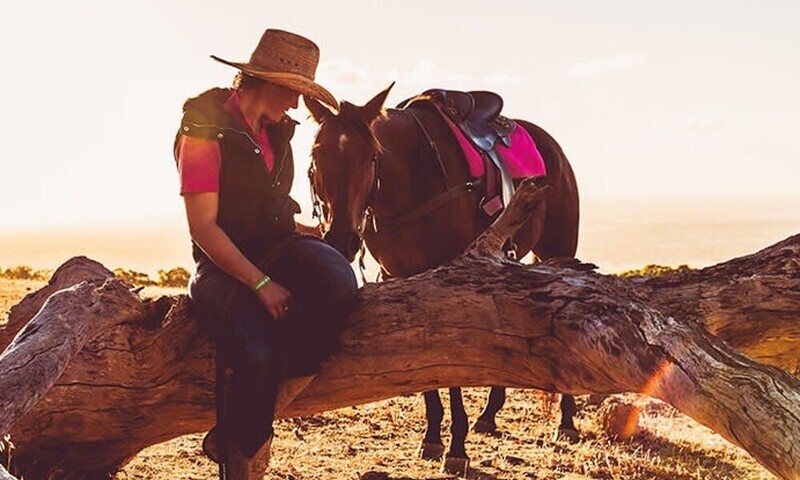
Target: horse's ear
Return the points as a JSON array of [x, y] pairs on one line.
[[374, 108], [319, 112]]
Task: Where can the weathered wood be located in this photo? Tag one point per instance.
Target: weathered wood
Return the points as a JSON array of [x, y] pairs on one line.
[[42, 350], [72, 272], [751, 302], [477, 321], [4, 475]]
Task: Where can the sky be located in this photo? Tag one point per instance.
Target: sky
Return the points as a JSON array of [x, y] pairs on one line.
[[648, 99]]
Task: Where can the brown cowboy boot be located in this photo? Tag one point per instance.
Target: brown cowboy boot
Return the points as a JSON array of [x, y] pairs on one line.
[[289, 389], [211, 445], [239, 467]]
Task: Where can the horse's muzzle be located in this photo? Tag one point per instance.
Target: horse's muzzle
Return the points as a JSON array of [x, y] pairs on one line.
[[348, 244]]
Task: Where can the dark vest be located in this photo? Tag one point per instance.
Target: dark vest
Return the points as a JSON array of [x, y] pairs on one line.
[[255, 209]]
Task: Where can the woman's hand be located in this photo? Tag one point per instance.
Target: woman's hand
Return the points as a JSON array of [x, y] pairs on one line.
[[201, 211], [276, 298]]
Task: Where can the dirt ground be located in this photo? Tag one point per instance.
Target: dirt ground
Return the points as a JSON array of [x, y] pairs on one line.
[[378, 441]]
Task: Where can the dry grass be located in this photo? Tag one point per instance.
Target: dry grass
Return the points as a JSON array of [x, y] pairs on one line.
[[378, 441]]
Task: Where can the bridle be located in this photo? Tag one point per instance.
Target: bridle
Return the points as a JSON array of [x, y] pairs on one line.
[[321, 213]]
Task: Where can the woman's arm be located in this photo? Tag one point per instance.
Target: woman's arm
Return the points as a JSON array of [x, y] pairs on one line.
[[201, 213]]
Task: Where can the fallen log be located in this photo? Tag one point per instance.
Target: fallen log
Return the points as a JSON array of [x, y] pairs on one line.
[[479, 320], [751, 302], [4, 475]]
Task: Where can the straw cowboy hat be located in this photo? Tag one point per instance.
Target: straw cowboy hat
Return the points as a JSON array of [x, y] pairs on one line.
[[286, 59]]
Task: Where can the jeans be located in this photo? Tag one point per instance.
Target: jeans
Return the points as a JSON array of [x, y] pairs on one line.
[[261, 351]]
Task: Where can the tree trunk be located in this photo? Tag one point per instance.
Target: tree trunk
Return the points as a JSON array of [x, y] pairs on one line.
[[147, 375]]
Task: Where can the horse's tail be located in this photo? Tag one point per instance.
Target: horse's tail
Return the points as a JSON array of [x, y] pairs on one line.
[[560, 235]]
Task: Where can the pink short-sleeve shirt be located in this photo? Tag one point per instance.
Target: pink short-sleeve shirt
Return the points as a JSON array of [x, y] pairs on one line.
[[200, 159]]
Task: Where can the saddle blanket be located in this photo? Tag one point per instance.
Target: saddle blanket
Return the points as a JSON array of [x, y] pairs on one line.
[[522, 157]]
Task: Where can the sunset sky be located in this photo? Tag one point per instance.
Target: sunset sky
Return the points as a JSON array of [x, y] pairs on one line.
[[647, 98]]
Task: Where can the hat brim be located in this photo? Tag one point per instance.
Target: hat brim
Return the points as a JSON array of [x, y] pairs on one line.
[[292, 81]]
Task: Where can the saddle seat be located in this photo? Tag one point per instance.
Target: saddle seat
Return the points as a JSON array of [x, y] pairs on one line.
[[476, 113], [470, 106]]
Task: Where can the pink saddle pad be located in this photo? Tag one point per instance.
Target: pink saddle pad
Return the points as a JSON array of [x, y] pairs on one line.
[[522, 157]]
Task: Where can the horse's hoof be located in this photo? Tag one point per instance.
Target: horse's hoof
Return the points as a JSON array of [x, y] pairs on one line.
[[430, 451], [482, 426], [456, 466], [570, 435]]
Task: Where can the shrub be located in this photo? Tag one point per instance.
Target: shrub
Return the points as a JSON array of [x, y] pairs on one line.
[[177, 277], [24, 272], [133, 277], [653, 270]]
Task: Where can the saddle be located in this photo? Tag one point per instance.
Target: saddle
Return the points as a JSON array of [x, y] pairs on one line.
[[477, 115]]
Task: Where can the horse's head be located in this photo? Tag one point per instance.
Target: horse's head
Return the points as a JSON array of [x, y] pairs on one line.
[[343, 172]]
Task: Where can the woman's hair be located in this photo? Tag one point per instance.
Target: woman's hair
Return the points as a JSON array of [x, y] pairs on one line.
[[243, 81]]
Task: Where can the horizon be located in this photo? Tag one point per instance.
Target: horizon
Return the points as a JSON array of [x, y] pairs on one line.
[[615, 236]]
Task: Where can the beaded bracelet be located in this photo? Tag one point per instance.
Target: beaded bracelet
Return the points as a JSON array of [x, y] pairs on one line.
[[263, 281]]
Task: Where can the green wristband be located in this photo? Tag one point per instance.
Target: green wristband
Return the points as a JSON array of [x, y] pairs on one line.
[[264, 280]]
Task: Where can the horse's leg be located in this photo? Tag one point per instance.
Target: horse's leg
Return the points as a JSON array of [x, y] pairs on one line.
[[486, 422], [432, 447], [456, 460], [525, 239], [566, 429]]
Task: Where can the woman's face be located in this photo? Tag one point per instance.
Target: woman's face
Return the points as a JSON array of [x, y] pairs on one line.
[[276, 100]]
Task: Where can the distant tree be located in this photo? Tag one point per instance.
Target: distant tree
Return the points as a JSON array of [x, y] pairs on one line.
[[654, 270], [24, 272], [177, 277], [133, 277]]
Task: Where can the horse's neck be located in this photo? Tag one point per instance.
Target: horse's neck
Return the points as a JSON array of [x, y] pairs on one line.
[[408, 171]]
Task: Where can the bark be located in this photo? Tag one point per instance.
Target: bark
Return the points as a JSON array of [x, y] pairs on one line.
[[147, 375], [4, 475], [752, 302]]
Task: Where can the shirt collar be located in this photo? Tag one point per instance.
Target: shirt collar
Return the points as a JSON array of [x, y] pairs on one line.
[[234, 107]]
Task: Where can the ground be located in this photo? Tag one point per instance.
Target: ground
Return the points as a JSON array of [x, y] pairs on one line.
[[378, 441]]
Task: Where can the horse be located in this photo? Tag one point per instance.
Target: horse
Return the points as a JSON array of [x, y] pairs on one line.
[[397, 181]]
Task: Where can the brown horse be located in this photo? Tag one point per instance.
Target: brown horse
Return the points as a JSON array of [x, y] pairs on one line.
[[399, 182]]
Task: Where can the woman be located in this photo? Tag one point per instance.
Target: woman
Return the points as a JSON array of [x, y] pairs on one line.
[[273, 296]]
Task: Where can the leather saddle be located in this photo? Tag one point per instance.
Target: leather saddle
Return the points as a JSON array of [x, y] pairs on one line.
[[477, 115]]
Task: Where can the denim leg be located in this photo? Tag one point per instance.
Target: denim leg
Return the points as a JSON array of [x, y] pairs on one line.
[[211, 291], [323, 289], [250, 352]]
